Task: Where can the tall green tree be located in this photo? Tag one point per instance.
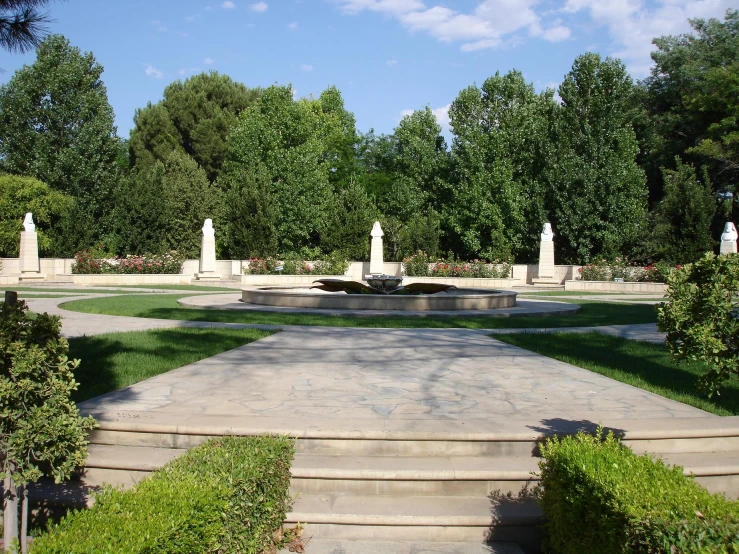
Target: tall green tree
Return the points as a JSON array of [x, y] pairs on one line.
[[599, 193], [193, 117], [56, 125], [163, 208], [340, 139], [682, 219], [277, 148], [691, 98], [501, 148]]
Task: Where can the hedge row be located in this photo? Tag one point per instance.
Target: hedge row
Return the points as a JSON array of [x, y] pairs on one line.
[[228, 495], [600, 497]]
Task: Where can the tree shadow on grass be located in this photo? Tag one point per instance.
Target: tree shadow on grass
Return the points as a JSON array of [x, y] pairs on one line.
[[110, 362], [639, 363]]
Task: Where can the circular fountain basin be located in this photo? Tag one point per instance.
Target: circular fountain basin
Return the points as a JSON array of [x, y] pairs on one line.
[[452, 300]]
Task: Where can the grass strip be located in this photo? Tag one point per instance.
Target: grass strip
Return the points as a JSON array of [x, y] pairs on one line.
[[568, 293], [202, 288], [166, 307], [641, 364], [116, 360], [70, 290]]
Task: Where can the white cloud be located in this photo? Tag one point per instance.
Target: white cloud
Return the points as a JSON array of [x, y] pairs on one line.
[[484, 27], [152, 71], [192, 17], [392, 62], [208, 61], [259, 7], [161, 28], [306, 67], [293, 26], [442, 116], [632, 24], [228, 5], [186, 70]]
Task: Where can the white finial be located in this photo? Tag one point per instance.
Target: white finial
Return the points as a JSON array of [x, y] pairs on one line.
[[208, 230], [376, 230], [729, 234], [28, 223], [547, 234]]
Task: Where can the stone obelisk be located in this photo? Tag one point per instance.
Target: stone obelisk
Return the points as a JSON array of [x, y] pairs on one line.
[[376, 261], [208, 254]]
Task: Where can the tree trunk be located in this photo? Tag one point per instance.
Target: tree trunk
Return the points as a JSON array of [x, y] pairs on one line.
[[24, 519], [10, 513]]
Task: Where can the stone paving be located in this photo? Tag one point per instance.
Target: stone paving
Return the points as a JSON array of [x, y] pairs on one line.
[[377, 374]]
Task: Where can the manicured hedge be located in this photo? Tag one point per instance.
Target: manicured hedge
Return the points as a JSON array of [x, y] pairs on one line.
[[228, 495], [600, 497]]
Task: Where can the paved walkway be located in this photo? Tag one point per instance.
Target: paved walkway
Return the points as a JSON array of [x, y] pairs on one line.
[[385, 374], [408, 374]]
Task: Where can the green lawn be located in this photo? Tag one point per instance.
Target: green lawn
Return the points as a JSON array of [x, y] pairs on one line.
[[201, 288], [569, 293], [166, 307], [116, 360], [76, 291], [640, 364]]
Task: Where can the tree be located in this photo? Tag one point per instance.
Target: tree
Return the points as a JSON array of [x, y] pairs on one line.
[[350, 218], [700, 317], [340, 141], [278, 148], [163, 208], [682, 219], [691, 98], [41, 431], [56, 125], [194, 117], [19, 195], [22, 25], [501, 150], [599, 192]]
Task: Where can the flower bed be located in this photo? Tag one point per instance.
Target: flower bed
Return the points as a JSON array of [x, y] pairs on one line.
[[332, 264], [621, 269], [86, 263], [420, 265]]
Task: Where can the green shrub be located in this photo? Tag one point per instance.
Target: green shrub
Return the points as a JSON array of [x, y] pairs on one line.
[[600, 497], [228, 495], [92, 262], [331, 264], [417, 265], [700, 316], [41, 431]]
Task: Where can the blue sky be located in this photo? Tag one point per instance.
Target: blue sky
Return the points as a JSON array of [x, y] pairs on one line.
[[386, 56]]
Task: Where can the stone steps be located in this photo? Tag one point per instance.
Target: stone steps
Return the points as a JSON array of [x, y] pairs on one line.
[[412, 481], [327, 546]]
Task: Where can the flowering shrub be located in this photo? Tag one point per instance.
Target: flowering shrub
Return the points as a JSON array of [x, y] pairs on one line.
[[419, 265], [259, 266], [331, 264], [85, 262], [621, 268]]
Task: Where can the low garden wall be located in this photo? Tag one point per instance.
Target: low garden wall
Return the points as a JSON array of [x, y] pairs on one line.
[[128, 279], [465, 282], [286, 280], [613, 286]]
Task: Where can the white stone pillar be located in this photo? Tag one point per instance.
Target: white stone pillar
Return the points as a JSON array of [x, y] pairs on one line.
[[208, 253], [728, 239], [30, 265], [376, 261], [546, 274]]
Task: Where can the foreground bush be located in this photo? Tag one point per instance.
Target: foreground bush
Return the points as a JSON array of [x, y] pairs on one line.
[[88, 262], [228, 495], [600, 497], [700, 317], [41, 431]]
